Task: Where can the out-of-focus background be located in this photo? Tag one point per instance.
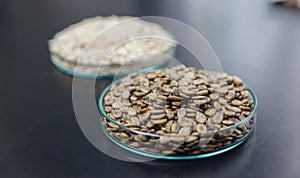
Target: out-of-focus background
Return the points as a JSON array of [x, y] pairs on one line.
[[39, 135]]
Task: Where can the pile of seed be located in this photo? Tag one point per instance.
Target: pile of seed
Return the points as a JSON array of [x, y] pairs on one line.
[[97, 42], [179, 108]]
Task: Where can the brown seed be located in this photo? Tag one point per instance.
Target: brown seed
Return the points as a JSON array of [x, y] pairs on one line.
[[150, 124], [241, 117], [145, 89], [196, 152], [176, 104], [108, 100], [240, 88], [236, 102], [177, 139], [222, 101], [198, 82], [131, 88], [157, 112], [135, 121], [164, 139], [158, 116], [237, 81], [190, 110], [166, 89], [221, 90], [143, 137], [131, 111], [173, 83], [123, 135], [133, 98], [117, 93], [208, 148], [170, 114], [210, 124], [200, 117], [191, 144], [217, 105], [174, 98], [191, 139], [187, 91], [126, 102], [162, 97], [237, 131], [151, 76], [160, 122], [169, 126], [245, 93], [200, 102], [217, 118], [210, 112], [175, 127], [125, 94], [199, 97], [227, 122], [117, 105], [229, 113], [230, 95], [161, 132], [158, 105], [201, 128], [214, 96], [181, 113], [185, 122], [213, 85], [191, 115], [179, 150], [168, 152], [202, 92], [246, 113], [116, 113], [143, 117], [232, 108], [112, 125], [245, 108], [152, 97], [183, 82], [108, 108], [185, 131], [139, 94], [203, 141], [134, 144]]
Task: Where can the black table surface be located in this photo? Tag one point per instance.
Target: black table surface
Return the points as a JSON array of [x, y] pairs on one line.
[[39, 134]]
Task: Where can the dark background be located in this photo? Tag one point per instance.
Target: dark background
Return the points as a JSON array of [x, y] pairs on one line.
[[39, 135]]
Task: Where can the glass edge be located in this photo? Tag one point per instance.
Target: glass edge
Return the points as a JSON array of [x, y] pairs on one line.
[[168, 157]]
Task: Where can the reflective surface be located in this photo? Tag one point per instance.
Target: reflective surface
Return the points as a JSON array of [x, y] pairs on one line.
[[39, 135]]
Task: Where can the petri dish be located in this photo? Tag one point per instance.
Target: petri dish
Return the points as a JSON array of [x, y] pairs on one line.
[[98, 47], [149, 144]]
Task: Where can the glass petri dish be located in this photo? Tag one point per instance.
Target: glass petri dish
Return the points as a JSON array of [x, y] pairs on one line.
[[204, 145], [158, 61]]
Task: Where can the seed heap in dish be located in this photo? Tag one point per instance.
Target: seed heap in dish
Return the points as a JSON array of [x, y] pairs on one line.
[[113, 43], [179, 111]]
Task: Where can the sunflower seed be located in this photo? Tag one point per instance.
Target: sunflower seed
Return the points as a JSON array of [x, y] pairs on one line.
[[201, 129], [200, 117], [185, 131]]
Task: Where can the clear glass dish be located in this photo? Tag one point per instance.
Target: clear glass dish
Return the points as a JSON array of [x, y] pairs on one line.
[[148, 63], [180, 147]]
